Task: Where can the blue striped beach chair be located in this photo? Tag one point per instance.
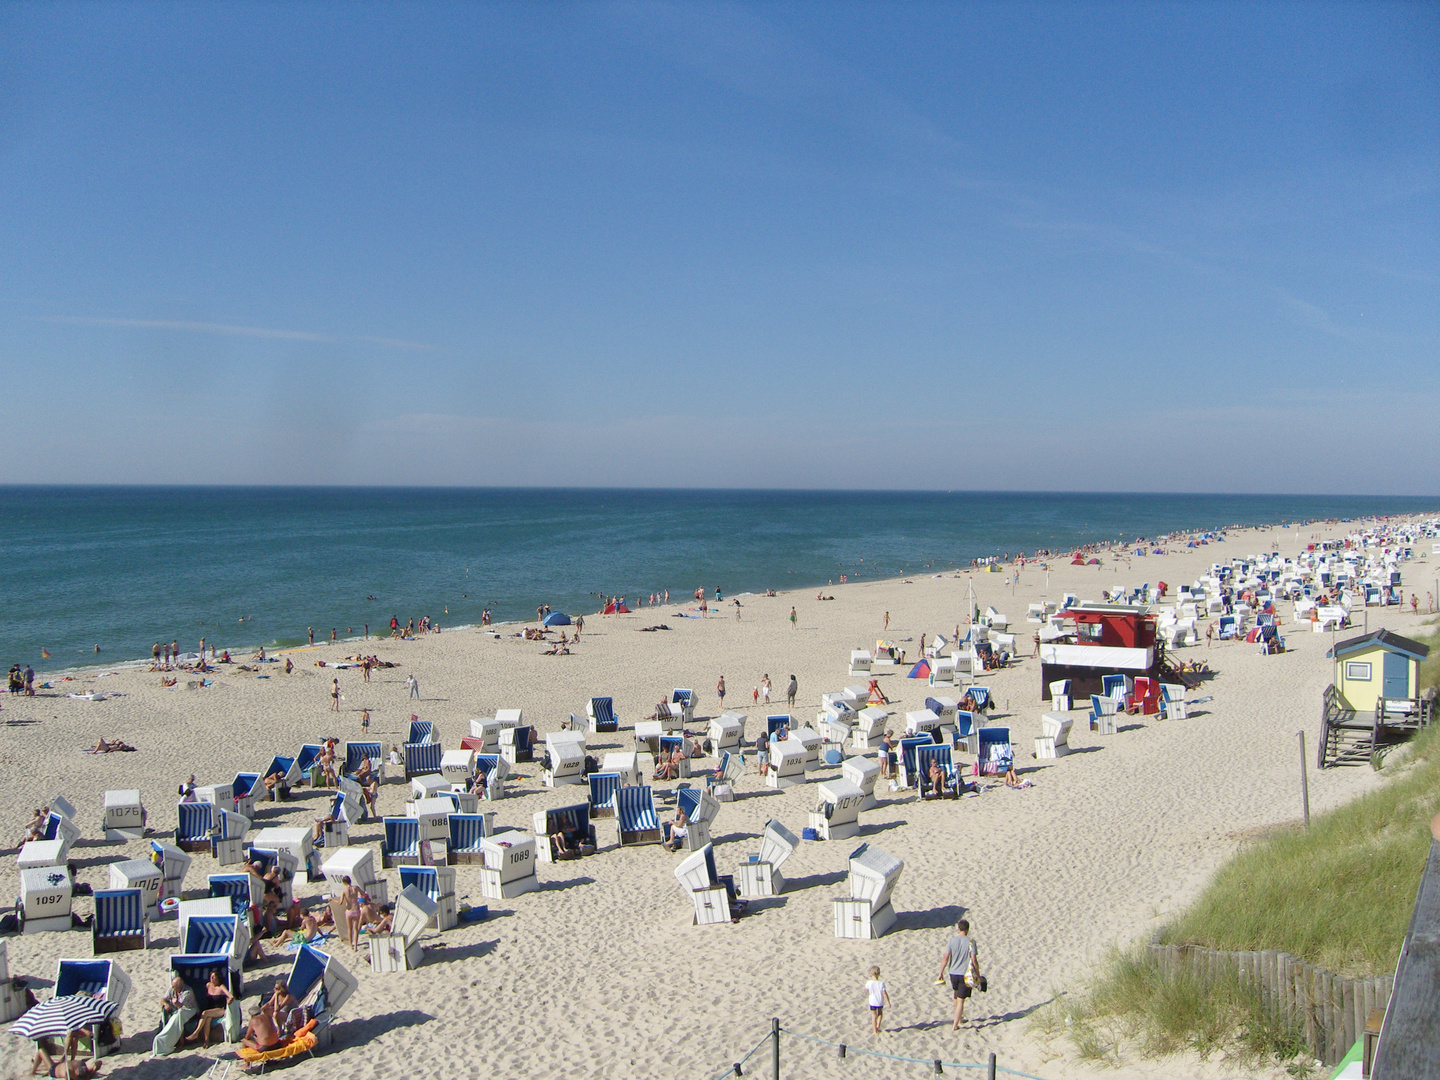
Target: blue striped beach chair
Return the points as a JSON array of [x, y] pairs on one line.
[[120, 921], [603, 786], [980, 695], [243, 791], [103, 979], [194, 970], [995, 755], [322, 985], [193, 822], [924, 755], [965, 732], [225, 936], [401, 846], [517, 744], [422, 759], [421, 731], [355, 752], [241, 890], [287, 767], [601, 712], [908, 763], [635, 816], [306, 759], [466, 832]]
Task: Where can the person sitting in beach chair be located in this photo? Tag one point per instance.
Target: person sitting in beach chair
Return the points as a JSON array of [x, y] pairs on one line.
[[937, 779], [676, 831], [669, 768], [36, 828]]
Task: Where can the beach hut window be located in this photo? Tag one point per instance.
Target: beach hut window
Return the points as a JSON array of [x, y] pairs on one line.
[[1357, 671]]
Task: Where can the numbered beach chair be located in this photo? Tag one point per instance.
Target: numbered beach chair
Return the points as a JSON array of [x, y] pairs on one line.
[[837, 810], [139, 874], [124, 816], [509, 868], [635, 816], [573, 828], [227, 837], [121, 922], [907, 760]]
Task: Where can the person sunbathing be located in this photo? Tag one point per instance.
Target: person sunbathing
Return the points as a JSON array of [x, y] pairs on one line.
[[260, 1034], [1013, 781], [116, 746], [382, 923], [36, 828], [275, 778], [564, 849]]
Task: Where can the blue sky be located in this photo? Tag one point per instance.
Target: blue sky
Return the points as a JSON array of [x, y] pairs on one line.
[[1059, 246]]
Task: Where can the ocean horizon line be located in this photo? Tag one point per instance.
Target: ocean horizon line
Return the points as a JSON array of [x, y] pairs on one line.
[[652, 489]]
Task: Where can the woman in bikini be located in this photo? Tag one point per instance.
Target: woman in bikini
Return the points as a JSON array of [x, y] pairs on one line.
[[217, 1001]]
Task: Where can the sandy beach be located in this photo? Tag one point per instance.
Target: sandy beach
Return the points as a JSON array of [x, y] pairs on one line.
[[600, 973]]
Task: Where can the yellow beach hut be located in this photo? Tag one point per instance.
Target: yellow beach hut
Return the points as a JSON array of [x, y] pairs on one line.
[[1377, 665]]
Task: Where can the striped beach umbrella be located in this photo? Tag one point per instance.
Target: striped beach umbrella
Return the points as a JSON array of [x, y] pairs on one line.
[[62, 1015]]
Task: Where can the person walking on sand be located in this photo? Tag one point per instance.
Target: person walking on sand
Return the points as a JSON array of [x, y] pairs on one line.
[[310, 630], [791, 690], [720, 691], [955, 962], [334, 695], [879, 998], [887, 620], [765, 689], [365, 721], [792, 619], [414, 684]]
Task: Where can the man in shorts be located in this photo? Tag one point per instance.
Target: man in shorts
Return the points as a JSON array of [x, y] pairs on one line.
[[955, 963]]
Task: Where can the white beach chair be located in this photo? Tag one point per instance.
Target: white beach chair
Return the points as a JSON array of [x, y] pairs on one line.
[[573, 824], [867, 911], [358, 864], [708, 892], [299, 844], [810, 739], [1060, 695], [400, 950], [761, 875], [787, 764], [509, 867], [623, 764], [567, 759], [922, 722], [942, 671], [227, 837], [124, 816], [487, 730], [868, 727], [437, 883], [682, 705], [434, 818], [517, 744], [635, 818], [174, 865], [837, 810], [700, 809], [726, 732], [139, 874], [1054, 738], [457, 767], [322, 985], [600, 712], [863, 772], [45, 896], [861, 662]]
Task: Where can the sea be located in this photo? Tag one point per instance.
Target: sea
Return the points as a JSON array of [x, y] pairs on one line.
[[124, 567]]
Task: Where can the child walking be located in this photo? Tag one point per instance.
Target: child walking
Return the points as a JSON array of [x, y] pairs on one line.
[[879, 998]]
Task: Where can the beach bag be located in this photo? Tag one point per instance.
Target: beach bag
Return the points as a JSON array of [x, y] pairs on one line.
[[973, 978]]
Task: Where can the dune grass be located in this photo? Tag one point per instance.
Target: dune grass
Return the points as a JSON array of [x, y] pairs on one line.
[[1339, 896]]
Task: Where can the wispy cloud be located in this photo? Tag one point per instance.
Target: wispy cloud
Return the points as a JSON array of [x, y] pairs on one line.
[[230, 330]]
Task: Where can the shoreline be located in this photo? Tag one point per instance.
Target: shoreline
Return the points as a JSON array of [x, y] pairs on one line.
[[977, 565]]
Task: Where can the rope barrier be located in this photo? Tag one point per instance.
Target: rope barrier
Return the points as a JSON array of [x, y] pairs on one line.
[[847, 1050]]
